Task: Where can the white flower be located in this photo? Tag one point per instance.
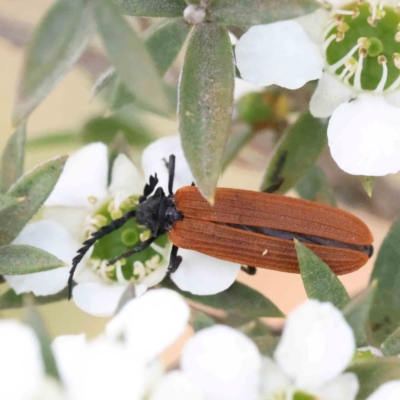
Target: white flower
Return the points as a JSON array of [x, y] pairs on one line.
[[316, 347], [354, 51], [121, 363], [82, 202], [388, 391]]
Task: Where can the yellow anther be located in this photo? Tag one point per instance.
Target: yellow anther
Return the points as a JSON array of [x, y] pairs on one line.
[[339, 36], [356, 13], [343, 27], [116, 214], [382, 59], [373, 22], [397, 37], [92, 200], [362, 52], [101, 220], [396, 60], [364, 42]]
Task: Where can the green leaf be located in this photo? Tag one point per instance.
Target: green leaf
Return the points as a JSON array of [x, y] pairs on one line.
[[6, 202], [12, 161], [254, 12], [235, 144], [201, 320], [164, 42], [33, 188], [54, 139], [205, 103], [315, 187], [21, 259], [35, 321], [296, 153], [368, 183], [11, 300], [391, 346], [372, 374], [57, 43], [266, 344], [130, 58], [319, 281], [152, 8], [384, 317], [238, 299], [356, 313]]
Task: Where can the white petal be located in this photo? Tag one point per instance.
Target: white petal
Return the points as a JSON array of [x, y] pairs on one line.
[[21, 365], [316, 345], [223, 363], [155, 155], [364, 137], [280, 53], [394, 98], [313, 24], [388, 391], [99, 299], [155, 277], [204, 275], [126, 179], [84, 175], [330, 93], [343, 387], [273, 379], [53, 238], [150, 323], [243, 87], [177, 386]]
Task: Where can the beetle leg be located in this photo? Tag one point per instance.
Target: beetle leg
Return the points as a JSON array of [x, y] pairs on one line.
[[171, 174], [87, 244], [137, 249], [174, 260], [249, 270], [149, 187]]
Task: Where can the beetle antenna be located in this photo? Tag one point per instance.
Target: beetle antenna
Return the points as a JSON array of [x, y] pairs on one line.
[[142, 246], [171, 174], [105, 230], [149, 187]]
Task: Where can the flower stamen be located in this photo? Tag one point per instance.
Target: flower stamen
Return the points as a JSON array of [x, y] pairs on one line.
[[382, 60], [361, 42]]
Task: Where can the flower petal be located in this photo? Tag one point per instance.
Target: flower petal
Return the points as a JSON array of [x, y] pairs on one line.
[[150, 323], [364, 137], [99, 299], [155, 155], [314, 24], [84, 175], [388, 391], [204, 275], [223, 363], [343, 387], [273, 380], [280, 53], [243, 87], [53, 238], [177, 386], [394, 98], [330, 93], [317, 344], [126, 179], [21, 365]]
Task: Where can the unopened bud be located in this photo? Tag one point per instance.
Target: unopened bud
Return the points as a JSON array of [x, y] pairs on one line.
[[194, 14]]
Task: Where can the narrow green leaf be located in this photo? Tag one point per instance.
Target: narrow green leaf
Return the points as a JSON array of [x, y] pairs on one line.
[[384, 317], [296, 153], [35, 321], [391, 346], [57, 43], [254, 12], [319, 281], [205, 103], [372, 374], [238, 299], [20, 259], [12, 161], [11, 300], [201, 320], [54, 139], [164, 42], [315, 187], [356, 313], [152, 8], [368, 183], [6, 202], [266, 344], [33, 188], [235, 144], [130, 58]]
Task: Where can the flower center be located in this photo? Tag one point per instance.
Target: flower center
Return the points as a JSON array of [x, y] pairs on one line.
[[362, 45], [134, 268]]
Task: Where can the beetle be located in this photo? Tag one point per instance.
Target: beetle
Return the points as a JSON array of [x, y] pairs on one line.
[[255, 229]]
